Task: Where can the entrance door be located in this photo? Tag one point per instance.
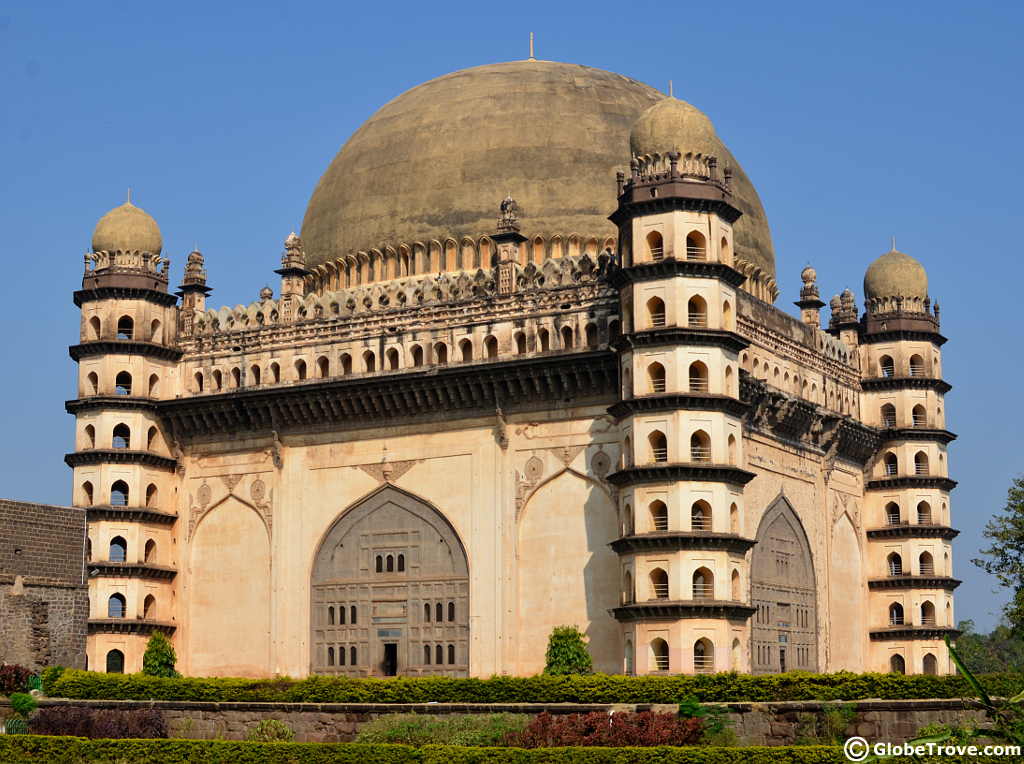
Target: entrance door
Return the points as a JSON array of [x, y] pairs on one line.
[[390, 666]]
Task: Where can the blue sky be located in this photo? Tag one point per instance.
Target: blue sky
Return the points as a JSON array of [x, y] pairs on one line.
[[856, 122]]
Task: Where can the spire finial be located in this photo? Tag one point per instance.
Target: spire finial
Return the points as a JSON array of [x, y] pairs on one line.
[[531, 47], [670, 93], [129, 194], [893, 243]]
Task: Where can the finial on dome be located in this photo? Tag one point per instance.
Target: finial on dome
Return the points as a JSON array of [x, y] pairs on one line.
[[531, 47], [670, 93], [508, 220], [266, 293], [810, 301]]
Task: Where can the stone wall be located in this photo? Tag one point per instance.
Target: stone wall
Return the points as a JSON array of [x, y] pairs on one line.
[[753, 723], [44, 601]]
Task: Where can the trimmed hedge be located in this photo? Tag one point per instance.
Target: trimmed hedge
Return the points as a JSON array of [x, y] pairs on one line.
[[593, 688], [65, 750]]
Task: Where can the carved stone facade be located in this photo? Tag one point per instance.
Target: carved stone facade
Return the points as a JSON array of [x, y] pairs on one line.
[[619, 433]]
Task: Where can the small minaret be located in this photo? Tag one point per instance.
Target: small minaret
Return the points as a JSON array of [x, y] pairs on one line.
[[507, 240], [810, 302], [193, 290], [293, 273], [844, 323]]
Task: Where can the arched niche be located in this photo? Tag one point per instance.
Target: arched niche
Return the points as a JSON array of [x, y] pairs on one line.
[[567, 573], [229, 601], [423, 569], [784, 630], [846, 599]]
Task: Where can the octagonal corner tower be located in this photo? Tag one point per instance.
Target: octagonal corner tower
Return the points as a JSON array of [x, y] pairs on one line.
[[434, 162]]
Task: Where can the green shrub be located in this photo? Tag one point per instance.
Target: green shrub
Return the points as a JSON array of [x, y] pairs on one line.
[[592, 688], [453, 729], [567, 652], [23, 704], [65, 750], [159, 658], [270, 731], [50, 676], [15, 726]]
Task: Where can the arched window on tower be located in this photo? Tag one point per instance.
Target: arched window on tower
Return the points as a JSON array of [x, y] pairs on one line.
[[121, 437], [125, 328], [491, 347], [659, 446], [198, 387], [590, 335], [119, 494], [156, 331], [149, 555], [700, 447], [90, 436], [149, 607], [118, 551], [655, 312], [897, 665], [892, 513], [920, 416], [703, 584], [659, 516], [466, 349], [440, 354], [218, 380], [895, 614], [929, 665], [696, 246], [924, 513], [544, 340], [151, 496], [416, 353], [300, 370], [735, 590], [115, 662], [892, 466], [659, 584], [656, 377], [655, 246], [887, 367], [703, 656], [698, 377], [254, 375], [93, 384], [567, 338], [94, 328], [520, 343], [888, 416], [920, 463], [323, 367], [154, 385], [123, 383], [392, 359], [697, 312], [87, 493], [700, 516], [116, 606], [895, 564], [628, 597], [926, 564], [916, 366], [369, 361], [659, 654]]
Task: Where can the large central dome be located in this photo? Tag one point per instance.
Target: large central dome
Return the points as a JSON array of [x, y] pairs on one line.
[[436, 161]]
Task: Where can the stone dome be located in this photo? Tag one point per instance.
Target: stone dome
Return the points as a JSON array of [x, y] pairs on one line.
[[127, 229], [895, 274], [436, 161]]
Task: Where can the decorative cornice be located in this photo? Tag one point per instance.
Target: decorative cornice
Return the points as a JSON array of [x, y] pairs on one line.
[[681, 472], [118, 402], [908, 631], [874, 384], [673, 610], [119, 456], [129, 626], [871, 338], [918, 433], [678, 401], [129, 514], [132, 570], [678, 335], [467, 389], [914, 582], [164, 299], [906, 530], [671, 267], [674, 541], [911, 481], [124, 347]]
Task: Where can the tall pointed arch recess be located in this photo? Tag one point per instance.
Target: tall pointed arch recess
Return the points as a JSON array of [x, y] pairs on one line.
[[389, 631], [784, 630]]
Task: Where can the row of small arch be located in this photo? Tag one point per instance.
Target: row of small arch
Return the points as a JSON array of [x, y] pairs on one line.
[[926, 611], [700, 517], [117, 606], [126, 329], [121, 437], [702, 586], [418, 355], [925, 564], [891, 464], [844, 402], [367, 267], [122, 384], [924, 513], [117, 551], [119, 494], [915, 366], [696, 313], [700, 448]]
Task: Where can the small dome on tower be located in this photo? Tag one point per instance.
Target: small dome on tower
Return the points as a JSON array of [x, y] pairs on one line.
[[895, 274], [808, 275], [127, 229], [669, 122]]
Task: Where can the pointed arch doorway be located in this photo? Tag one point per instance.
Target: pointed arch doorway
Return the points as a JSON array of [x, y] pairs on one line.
[[784, 628], [389, 593]]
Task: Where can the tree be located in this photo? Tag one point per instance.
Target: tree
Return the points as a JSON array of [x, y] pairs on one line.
[[1005, 556], [159, 658], [567, 652], [1001, 650]]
